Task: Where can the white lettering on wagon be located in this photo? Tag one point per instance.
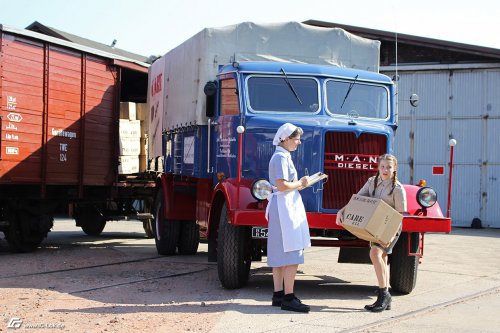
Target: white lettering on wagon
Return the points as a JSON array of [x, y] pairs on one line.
[[11, 127], [12, 150], [13, 137], [63, 148], [11, 103], [63, 133], [15, 117]]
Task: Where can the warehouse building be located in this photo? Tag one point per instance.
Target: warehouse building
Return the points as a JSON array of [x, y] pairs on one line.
[[459, 98]]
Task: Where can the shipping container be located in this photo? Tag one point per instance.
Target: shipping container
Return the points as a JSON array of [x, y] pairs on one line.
[[59, 143]]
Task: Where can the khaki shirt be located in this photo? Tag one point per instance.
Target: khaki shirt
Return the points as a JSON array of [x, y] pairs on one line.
[[396, 200]]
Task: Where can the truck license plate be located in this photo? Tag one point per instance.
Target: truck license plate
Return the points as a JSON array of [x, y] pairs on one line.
[[259, 232]]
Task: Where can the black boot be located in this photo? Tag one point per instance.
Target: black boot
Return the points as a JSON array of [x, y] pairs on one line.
[[292, 303], [278, 297], [371, 306], [384, 302]]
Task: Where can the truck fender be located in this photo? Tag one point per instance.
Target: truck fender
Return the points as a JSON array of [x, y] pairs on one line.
[[161, 185], [414, 208], [227, 190]]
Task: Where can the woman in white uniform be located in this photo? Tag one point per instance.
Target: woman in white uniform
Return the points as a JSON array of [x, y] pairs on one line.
[[288, 234]]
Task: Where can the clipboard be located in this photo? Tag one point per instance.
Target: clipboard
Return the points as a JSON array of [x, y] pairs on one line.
[[313, 179]]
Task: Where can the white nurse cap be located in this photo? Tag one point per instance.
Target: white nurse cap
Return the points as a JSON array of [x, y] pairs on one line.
[[283, 132]]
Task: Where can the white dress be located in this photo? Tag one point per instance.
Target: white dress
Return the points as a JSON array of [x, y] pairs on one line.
[[281, 167]]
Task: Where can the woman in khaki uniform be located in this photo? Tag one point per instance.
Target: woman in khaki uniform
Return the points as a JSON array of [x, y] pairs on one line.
[[384, 185]]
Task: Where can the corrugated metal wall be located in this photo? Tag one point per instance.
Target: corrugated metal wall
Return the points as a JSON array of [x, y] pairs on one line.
[[460, 102]]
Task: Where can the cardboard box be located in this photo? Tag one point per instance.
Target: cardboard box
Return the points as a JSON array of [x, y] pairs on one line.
[[142, 163], [130, 146], [128, 165], [128, 111], [371, 219], [144, 146], [130, 128], [142, 111]]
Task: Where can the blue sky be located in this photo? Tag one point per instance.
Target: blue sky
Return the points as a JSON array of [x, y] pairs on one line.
[[154, 27]]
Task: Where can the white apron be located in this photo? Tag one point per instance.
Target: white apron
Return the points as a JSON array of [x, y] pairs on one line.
[[293, 220]]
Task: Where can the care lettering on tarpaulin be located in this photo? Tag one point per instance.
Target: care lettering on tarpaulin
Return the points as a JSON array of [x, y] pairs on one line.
[[224, 145]]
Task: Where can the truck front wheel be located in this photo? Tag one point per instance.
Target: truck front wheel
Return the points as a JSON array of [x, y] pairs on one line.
[[404, 268], [166, 231], [233, 253]]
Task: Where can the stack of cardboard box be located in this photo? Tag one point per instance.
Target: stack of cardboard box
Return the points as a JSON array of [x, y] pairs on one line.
[[142, 116], [132, 140]]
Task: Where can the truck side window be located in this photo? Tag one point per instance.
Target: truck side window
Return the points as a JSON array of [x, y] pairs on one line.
[[229, 105]]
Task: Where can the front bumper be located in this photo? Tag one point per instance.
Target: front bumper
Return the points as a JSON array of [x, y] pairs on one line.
[[327, 221]]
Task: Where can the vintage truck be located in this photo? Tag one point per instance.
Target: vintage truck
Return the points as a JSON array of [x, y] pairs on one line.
[[215, 104]]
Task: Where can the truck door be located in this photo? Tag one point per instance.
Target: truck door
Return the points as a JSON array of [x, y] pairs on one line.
[[225, 135]]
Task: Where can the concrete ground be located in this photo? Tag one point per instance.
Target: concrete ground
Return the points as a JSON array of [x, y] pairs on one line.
[[118, 283]]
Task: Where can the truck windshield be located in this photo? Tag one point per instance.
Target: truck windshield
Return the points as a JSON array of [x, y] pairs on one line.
[[364, 100], [273, 94]]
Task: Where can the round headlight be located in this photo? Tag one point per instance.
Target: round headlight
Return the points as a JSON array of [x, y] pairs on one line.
[[426, 197], [261, 189]]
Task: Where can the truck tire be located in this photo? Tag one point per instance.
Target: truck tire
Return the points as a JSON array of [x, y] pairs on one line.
[[90, 220], [233, 253], [166, 231], [189, 237], [27, 231], [148, 223], [404, 268]]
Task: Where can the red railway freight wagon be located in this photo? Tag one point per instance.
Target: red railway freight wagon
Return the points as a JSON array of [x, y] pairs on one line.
[[60, 141]]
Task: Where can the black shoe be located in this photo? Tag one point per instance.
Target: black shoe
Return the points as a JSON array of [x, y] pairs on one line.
[[278, 298], [383, 303], [369, 307], [292, 303]]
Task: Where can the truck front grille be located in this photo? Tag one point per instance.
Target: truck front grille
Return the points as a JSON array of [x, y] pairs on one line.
[[349, 161]]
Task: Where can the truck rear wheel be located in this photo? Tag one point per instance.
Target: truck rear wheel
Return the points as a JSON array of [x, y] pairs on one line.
[[404, 268], [90, 219], [148, 223], [166, 231], [233, 253], [27, 231], [189, 237]]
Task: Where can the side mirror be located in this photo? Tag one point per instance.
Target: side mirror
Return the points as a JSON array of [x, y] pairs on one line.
[[414, 100], [210, 88]]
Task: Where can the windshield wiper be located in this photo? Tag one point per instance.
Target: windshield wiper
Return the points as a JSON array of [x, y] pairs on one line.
[[291, 87], [349, 90]]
